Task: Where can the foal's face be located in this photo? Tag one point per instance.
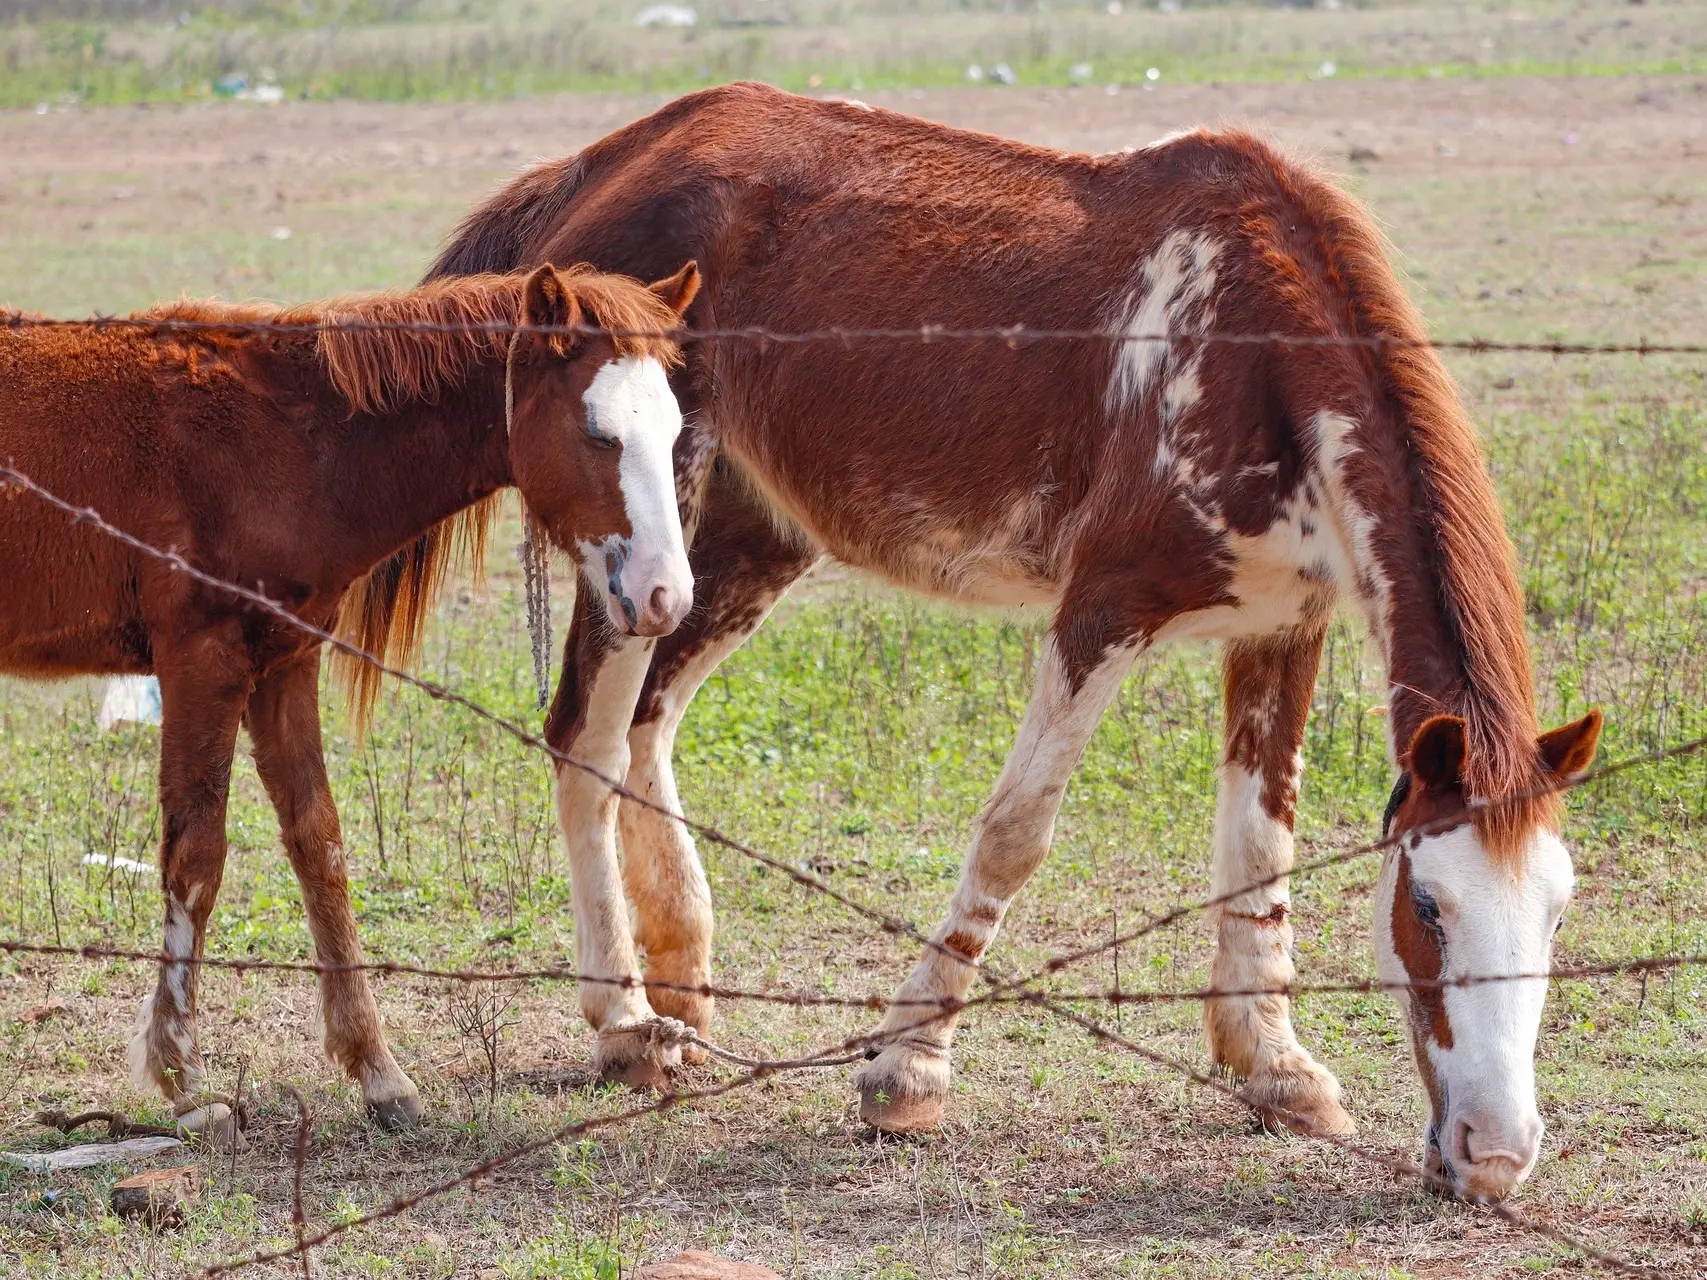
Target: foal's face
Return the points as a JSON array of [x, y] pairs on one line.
[[1446, 908], [591, 435]]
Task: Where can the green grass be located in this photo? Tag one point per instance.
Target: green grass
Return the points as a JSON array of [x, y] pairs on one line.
[[428, 50], [858, 735]]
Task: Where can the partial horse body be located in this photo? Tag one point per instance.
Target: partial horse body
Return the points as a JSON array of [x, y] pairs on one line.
[[294, 461], [1145, 490]]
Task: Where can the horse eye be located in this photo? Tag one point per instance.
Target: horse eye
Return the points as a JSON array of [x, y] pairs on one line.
[[597, 436], [1427, 909]]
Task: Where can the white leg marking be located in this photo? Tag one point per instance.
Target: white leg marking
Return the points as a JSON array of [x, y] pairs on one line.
[[1014, 832], [586, 809]]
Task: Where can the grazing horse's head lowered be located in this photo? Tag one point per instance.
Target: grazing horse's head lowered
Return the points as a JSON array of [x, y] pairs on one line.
[[1453, 904], [592, 426]]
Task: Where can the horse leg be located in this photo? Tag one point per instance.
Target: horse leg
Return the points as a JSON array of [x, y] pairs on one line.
[[589, 719], [203, 685], [1267, 687], [904, 1084], [284, 724], [742, 565]]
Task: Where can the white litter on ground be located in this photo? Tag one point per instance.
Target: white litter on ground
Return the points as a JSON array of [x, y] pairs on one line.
[[130, 699]]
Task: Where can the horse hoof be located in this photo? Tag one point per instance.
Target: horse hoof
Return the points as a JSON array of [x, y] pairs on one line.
[[902, 1089], [402, 1112], [215, 1126], [899, 1114], [640, 1055], [1307, 1102]]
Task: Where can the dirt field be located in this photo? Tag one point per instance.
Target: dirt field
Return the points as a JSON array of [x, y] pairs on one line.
[[1521, 208]]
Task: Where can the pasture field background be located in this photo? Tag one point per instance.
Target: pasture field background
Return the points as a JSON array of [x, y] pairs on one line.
[[859, 732]]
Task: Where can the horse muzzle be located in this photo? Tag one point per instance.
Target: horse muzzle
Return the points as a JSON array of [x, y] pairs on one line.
[[1485, 1156]]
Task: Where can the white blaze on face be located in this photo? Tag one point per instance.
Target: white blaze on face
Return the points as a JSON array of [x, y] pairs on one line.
[[647, 574], [1493, 920]]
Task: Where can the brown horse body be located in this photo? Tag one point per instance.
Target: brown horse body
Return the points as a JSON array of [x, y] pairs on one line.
[[291, 462], [1146, 490]]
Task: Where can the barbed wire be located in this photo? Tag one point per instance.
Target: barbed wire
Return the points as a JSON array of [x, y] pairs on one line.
[[1003, 990], [1011, 335], [1397, 1165], [1006, 992], [759, 1070]]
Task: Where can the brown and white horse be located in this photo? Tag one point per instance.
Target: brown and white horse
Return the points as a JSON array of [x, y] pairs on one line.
[[1146, 490], [298, 461]]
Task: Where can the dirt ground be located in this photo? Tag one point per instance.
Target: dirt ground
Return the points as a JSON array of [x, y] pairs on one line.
[[1491, 187], [365, 190]]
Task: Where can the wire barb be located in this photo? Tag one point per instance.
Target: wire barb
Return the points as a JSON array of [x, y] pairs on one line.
[[1010, 336], [1020, 990]]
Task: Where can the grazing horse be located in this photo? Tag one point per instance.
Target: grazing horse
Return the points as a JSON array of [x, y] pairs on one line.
[[1145, 490], [296, 460]]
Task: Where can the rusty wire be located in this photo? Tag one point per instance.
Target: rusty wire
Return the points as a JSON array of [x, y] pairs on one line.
[[1008, 991], [845, 335], [1016, 990], [1397, 1165]]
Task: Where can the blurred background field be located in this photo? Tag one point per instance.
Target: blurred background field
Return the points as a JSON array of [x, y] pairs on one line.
[[61, 51]]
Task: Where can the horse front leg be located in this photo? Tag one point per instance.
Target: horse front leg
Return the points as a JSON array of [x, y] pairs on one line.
[[742, 564], [204, 682], [589, 721], [1268, 682], [284, 724], [904, 1083]]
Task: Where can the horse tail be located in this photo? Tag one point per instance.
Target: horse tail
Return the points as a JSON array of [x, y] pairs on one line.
[[384, 613]]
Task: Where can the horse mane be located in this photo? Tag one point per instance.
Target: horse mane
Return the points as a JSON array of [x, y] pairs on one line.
[[384, 612], [1476, 565]]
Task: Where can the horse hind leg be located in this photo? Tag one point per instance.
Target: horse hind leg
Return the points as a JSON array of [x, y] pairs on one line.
[[742, 566], [284, 724], [202, 691], [1267, 685]]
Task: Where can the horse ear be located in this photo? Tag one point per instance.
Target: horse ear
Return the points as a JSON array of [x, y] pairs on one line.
[[679, 290], [546, 303], [1569, 750], [1437, 753]]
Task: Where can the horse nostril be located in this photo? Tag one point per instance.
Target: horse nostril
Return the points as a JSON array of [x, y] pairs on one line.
[[660, 605], [1478, 1139]]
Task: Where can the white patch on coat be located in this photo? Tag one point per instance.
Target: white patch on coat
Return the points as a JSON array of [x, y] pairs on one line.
[[1249, 843], [586, 811], [180, 944], [1016, 826], [1367, 582], [1167, 139], [1282, 577], [1177, 277], [629, 400], [1495, 920]]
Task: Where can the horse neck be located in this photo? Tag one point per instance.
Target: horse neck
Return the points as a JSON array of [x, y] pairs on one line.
[[395, 473], [1438, 581]]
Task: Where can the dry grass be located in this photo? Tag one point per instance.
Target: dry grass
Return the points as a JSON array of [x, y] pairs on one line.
[[858, 734]]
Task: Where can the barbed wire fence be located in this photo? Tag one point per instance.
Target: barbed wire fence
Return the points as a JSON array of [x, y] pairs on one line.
[[1023, 989]]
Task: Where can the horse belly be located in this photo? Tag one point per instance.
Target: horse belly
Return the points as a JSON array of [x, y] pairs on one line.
[[65, 604]]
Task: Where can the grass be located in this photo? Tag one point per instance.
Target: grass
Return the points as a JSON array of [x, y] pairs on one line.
[[404, 50], [858, 734]]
